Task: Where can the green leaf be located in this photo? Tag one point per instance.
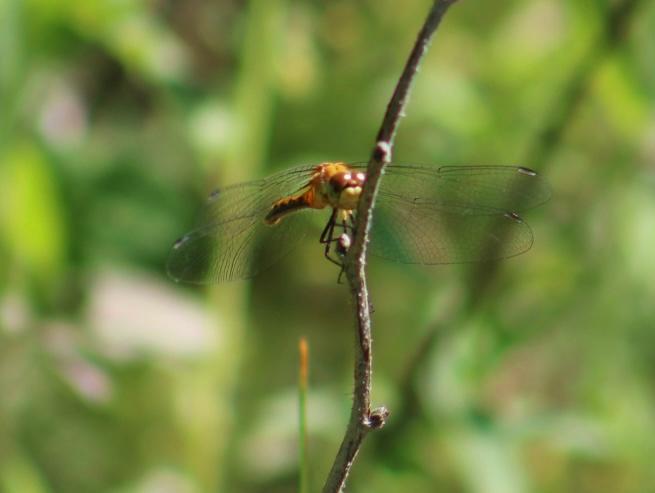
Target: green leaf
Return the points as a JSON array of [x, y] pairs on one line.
[[31, 217]]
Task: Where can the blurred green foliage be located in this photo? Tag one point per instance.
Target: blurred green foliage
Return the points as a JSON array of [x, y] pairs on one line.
[[116, 118]]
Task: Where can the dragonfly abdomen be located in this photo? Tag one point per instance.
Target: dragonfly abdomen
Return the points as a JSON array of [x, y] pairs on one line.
[[286, 206]]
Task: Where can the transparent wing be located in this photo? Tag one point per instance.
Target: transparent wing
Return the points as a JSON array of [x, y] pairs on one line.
[[466, 190], [453, 214], [415, 234], [232, 241]]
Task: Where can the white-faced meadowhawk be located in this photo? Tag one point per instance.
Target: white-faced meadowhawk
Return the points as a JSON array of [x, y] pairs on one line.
[[423, 215]]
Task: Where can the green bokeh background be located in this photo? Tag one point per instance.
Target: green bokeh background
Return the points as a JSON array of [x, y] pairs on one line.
[[118, 116]]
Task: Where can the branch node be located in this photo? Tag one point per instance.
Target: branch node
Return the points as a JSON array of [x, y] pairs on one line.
[[382, 152], [377, 418]]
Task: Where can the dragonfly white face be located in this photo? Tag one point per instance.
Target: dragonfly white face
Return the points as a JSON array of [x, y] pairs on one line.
[[341, 186]]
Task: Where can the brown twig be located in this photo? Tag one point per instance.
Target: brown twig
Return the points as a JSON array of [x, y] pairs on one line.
[[362, 418]]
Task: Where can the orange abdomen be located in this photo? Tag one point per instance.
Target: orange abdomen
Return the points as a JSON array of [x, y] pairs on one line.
[[286, 206]]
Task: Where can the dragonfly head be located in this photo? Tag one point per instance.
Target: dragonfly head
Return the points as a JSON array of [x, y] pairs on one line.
[[344, 189]]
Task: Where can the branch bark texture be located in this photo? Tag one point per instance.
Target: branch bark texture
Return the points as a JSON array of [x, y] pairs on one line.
[[362, 418]]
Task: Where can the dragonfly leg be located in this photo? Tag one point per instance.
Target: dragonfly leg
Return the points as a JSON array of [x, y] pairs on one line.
[[327, 238], [341, 273], [344, 241], [328, 255], [350, 226], [338, 242], [326, 235]]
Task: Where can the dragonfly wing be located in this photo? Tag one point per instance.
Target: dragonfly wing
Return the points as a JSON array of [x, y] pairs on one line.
[[232, 241], [425, 234], [469, 190], [453, 214]]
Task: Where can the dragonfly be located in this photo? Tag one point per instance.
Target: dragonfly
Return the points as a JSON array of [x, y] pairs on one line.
[[423, 215]]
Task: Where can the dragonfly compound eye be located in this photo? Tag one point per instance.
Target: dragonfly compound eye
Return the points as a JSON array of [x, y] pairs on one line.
[[339, 182]]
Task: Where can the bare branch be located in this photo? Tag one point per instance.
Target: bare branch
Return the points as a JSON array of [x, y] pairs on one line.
[[362, 418]]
